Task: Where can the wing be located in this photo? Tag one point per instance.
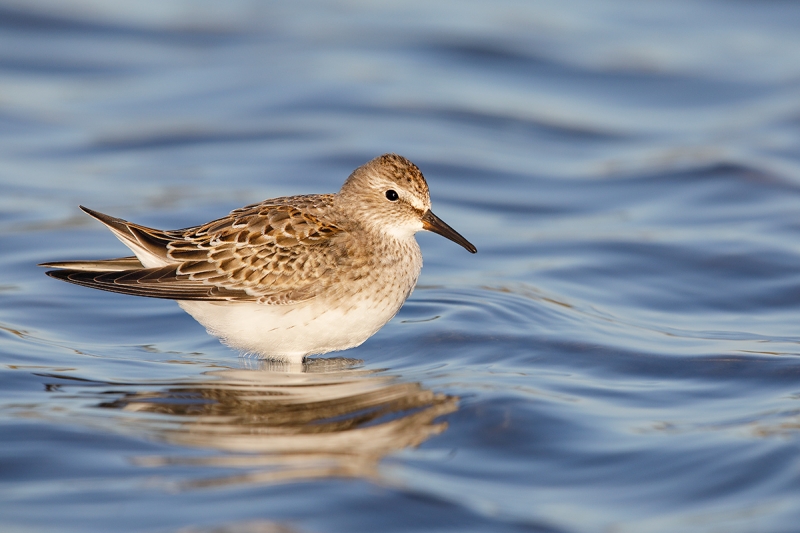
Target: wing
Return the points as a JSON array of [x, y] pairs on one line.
[[98, 265], [272, 253], [161, 282]]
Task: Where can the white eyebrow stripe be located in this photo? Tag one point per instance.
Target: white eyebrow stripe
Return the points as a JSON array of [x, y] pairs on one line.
[[415, 202]]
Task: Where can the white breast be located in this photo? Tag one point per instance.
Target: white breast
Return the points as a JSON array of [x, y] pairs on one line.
[[290, 332]]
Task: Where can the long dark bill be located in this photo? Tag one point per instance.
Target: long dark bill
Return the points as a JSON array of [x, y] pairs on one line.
[[435, 224]]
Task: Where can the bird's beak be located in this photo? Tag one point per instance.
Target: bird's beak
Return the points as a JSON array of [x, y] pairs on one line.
[[433, 223]]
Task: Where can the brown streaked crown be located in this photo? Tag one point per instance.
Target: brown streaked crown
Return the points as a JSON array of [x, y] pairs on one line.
[[395, 168]]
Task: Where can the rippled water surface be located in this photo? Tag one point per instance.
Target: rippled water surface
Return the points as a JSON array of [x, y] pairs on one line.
[[623, 353]]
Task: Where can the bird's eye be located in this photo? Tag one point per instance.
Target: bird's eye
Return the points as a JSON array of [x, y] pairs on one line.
[[392, 195]]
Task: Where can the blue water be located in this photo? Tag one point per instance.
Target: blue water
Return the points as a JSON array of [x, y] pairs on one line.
[[622, 354]]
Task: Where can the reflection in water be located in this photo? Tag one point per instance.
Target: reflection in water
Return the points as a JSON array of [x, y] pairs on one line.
[[318, 423], [258, 526]]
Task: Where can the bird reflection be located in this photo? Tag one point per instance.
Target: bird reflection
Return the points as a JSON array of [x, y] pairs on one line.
[[279, 425]]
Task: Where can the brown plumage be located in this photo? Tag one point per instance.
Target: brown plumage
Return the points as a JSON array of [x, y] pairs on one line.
[[350, 253]]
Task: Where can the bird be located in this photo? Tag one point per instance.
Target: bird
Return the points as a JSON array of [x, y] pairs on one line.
[[288, 277]]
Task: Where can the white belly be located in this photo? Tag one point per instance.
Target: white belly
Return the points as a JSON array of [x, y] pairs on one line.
[[290, 332], [324, 324]]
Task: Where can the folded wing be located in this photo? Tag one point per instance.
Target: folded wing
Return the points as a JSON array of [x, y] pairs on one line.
[[273, 253]]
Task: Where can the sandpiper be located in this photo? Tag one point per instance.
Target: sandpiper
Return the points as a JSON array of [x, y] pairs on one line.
[[288, 277]]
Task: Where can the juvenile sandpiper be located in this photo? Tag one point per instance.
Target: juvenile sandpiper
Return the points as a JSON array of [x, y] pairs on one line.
[[288, 277]]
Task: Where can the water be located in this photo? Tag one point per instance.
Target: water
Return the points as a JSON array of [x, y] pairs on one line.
[[621, 355]]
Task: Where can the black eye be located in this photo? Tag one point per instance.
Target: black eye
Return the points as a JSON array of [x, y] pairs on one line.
[[391, 195]]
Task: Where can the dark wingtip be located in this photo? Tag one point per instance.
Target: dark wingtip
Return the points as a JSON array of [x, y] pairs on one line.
[[58, 274], [112, 222], [96, 214]]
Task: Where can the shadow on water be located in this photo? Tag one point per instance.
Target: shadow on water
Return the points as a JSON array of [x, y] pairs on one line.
[[277, 422]]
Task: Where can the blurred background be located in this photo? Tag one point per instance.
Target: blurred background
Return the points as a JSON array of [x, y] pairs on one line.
[[621, 354]]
